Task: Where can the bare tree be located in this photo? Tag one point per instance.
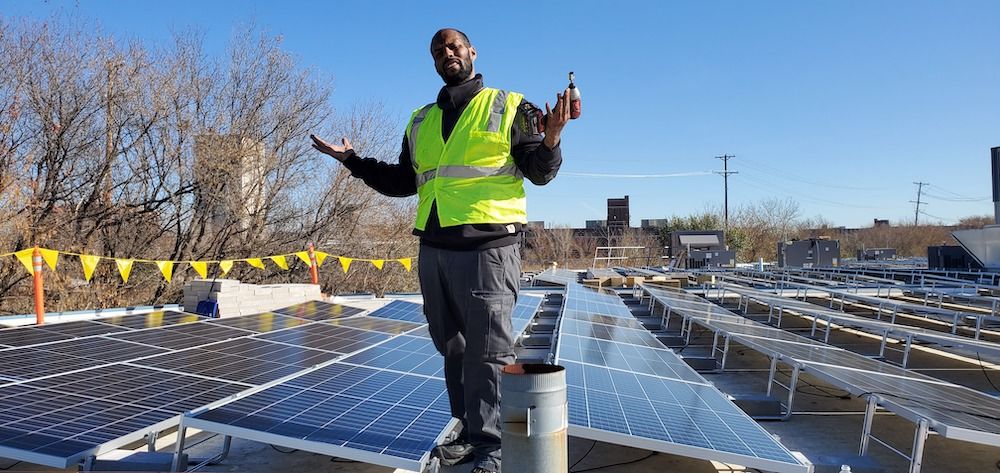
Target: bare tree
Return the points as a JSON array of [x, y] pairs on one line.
[[168, 153]]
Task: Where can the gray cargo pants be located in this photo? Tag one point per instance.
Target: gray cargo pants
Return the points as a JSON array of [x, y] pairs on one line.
[[468, 300]]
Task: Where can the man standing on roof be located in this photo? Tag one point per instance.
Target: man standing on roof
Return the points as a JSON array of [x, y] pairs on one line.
[[465, 156]]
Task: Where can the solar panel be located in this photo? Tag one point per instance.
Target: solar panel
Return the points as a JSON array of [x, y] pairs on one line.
[[806, 309], [559, 277], [71, 399], [263, 350], [140, 386], [106, 350], [639, 359], [150, 319], [626, 388], [317, 310], [25, 336], [615, 333], [524, 311], [401, 310], [327, 337], [80, 328], [403, 353], [24, 363], [260, 323], [669, 411], [178, 337], [222, 366], [375, 324], [390, 419], [56, 421], [951, 410]]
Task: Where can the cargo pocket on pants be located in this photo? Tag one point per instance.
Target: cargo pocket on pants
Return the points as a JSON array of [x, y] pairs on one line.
[[491, 314]]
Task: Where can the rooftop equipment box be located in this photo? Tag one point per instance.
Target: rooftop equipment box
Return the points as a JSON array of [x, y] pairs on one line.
[[685, 241], [810, 253], [950, 258], [711, 259], [876, 254]]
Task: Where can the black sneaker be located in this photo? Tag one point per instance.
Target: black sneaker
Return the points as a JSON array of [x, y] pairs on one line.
[[480, 469], [456, 452]]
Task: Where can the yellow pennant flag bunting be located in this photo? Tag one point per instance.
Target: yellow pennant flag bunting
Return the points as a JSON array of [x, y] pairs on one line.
[[225, 266], [304, 256], [166, 269], [406, 262], [89, 263], [378, 263], [24, 256], [345, 262], [124, 268], [320, 256], [280, 261], [255, 262], [199, 267], [51, 257]]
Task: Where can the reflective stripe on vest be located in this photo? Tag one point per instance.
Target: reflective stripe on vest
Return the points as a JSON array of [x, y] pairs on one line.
[[471, 176], [468, 171], [411, 137]]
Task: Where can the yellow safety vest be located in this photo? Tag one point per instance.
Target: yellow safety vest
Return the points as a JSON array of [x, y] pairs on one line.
[[472, 176]]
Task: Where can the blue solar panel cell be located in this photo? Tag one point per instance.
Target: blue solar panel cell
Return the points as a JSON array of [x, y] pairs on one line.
[[404, 353], [318, 310], [383, 412], [621, 380], [401, 310]]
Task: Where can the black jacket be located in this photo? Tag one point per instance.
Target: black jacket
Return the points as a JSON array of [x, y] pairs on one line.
[[536, 161]]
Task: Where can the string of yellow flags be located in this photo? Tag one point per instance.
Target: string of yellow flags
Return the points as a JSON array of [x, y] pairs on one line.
[[166, 267]]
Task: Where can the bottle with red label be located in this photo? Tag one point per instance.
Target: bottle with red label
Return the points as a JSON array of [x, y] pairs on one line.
[[574, 99]]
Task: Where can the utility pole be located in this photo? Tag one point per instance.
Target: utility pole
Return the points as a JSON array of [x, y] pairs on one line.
[[725, 172], [920, 189]]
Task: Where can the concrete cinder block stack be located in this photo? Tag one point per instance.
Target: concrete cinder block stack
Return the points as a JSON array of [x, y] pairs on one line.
[[235, 298]]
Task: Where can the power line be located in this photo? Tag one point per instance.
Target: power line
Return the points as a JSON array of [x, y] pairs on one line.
[[920, 189], [725, 172], [635, 176]]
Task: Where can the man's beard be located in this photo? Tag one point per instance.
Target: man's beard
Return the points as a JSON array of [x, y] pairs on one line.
[[459, 75]]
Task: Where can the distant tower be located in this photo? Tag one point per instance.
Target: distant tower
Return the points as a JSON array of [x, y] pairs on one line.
[[618, 218], [229, 172]]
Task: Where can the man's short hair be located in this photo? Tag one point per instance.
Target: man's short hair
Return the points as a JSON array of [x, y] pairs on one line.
[[440, 35]]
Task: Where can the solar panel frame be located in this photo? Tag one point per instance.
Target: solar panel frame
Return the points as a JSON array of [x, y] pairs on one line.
[[524, 312], [404, 354], [319, 310], [148, 390], [43, 363], [596, 390], [153, 319], [103, 349], [344, 386], [394, 327], [401, 310], [326, 337], [181, 337], [59, 420], [221, 366], [863, 376], [29, 336], [260, 323]]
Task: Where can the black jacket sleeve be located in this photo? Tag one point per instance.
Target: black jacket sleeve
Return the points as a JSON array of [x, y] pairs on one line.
[[394, 180], [537, 162]]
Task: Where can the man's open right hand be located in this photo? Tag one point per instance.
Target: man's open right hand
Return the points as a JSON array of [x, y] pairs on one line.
[[339, 153]]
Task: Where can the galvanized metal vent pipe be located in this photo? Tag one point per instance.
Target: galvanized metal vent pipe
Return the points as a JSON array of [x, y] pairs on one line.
[[535, 418]]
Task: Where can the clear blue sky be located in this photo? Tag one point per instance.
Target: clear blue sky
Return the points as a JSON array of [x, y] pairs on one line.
[[838, 105]]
